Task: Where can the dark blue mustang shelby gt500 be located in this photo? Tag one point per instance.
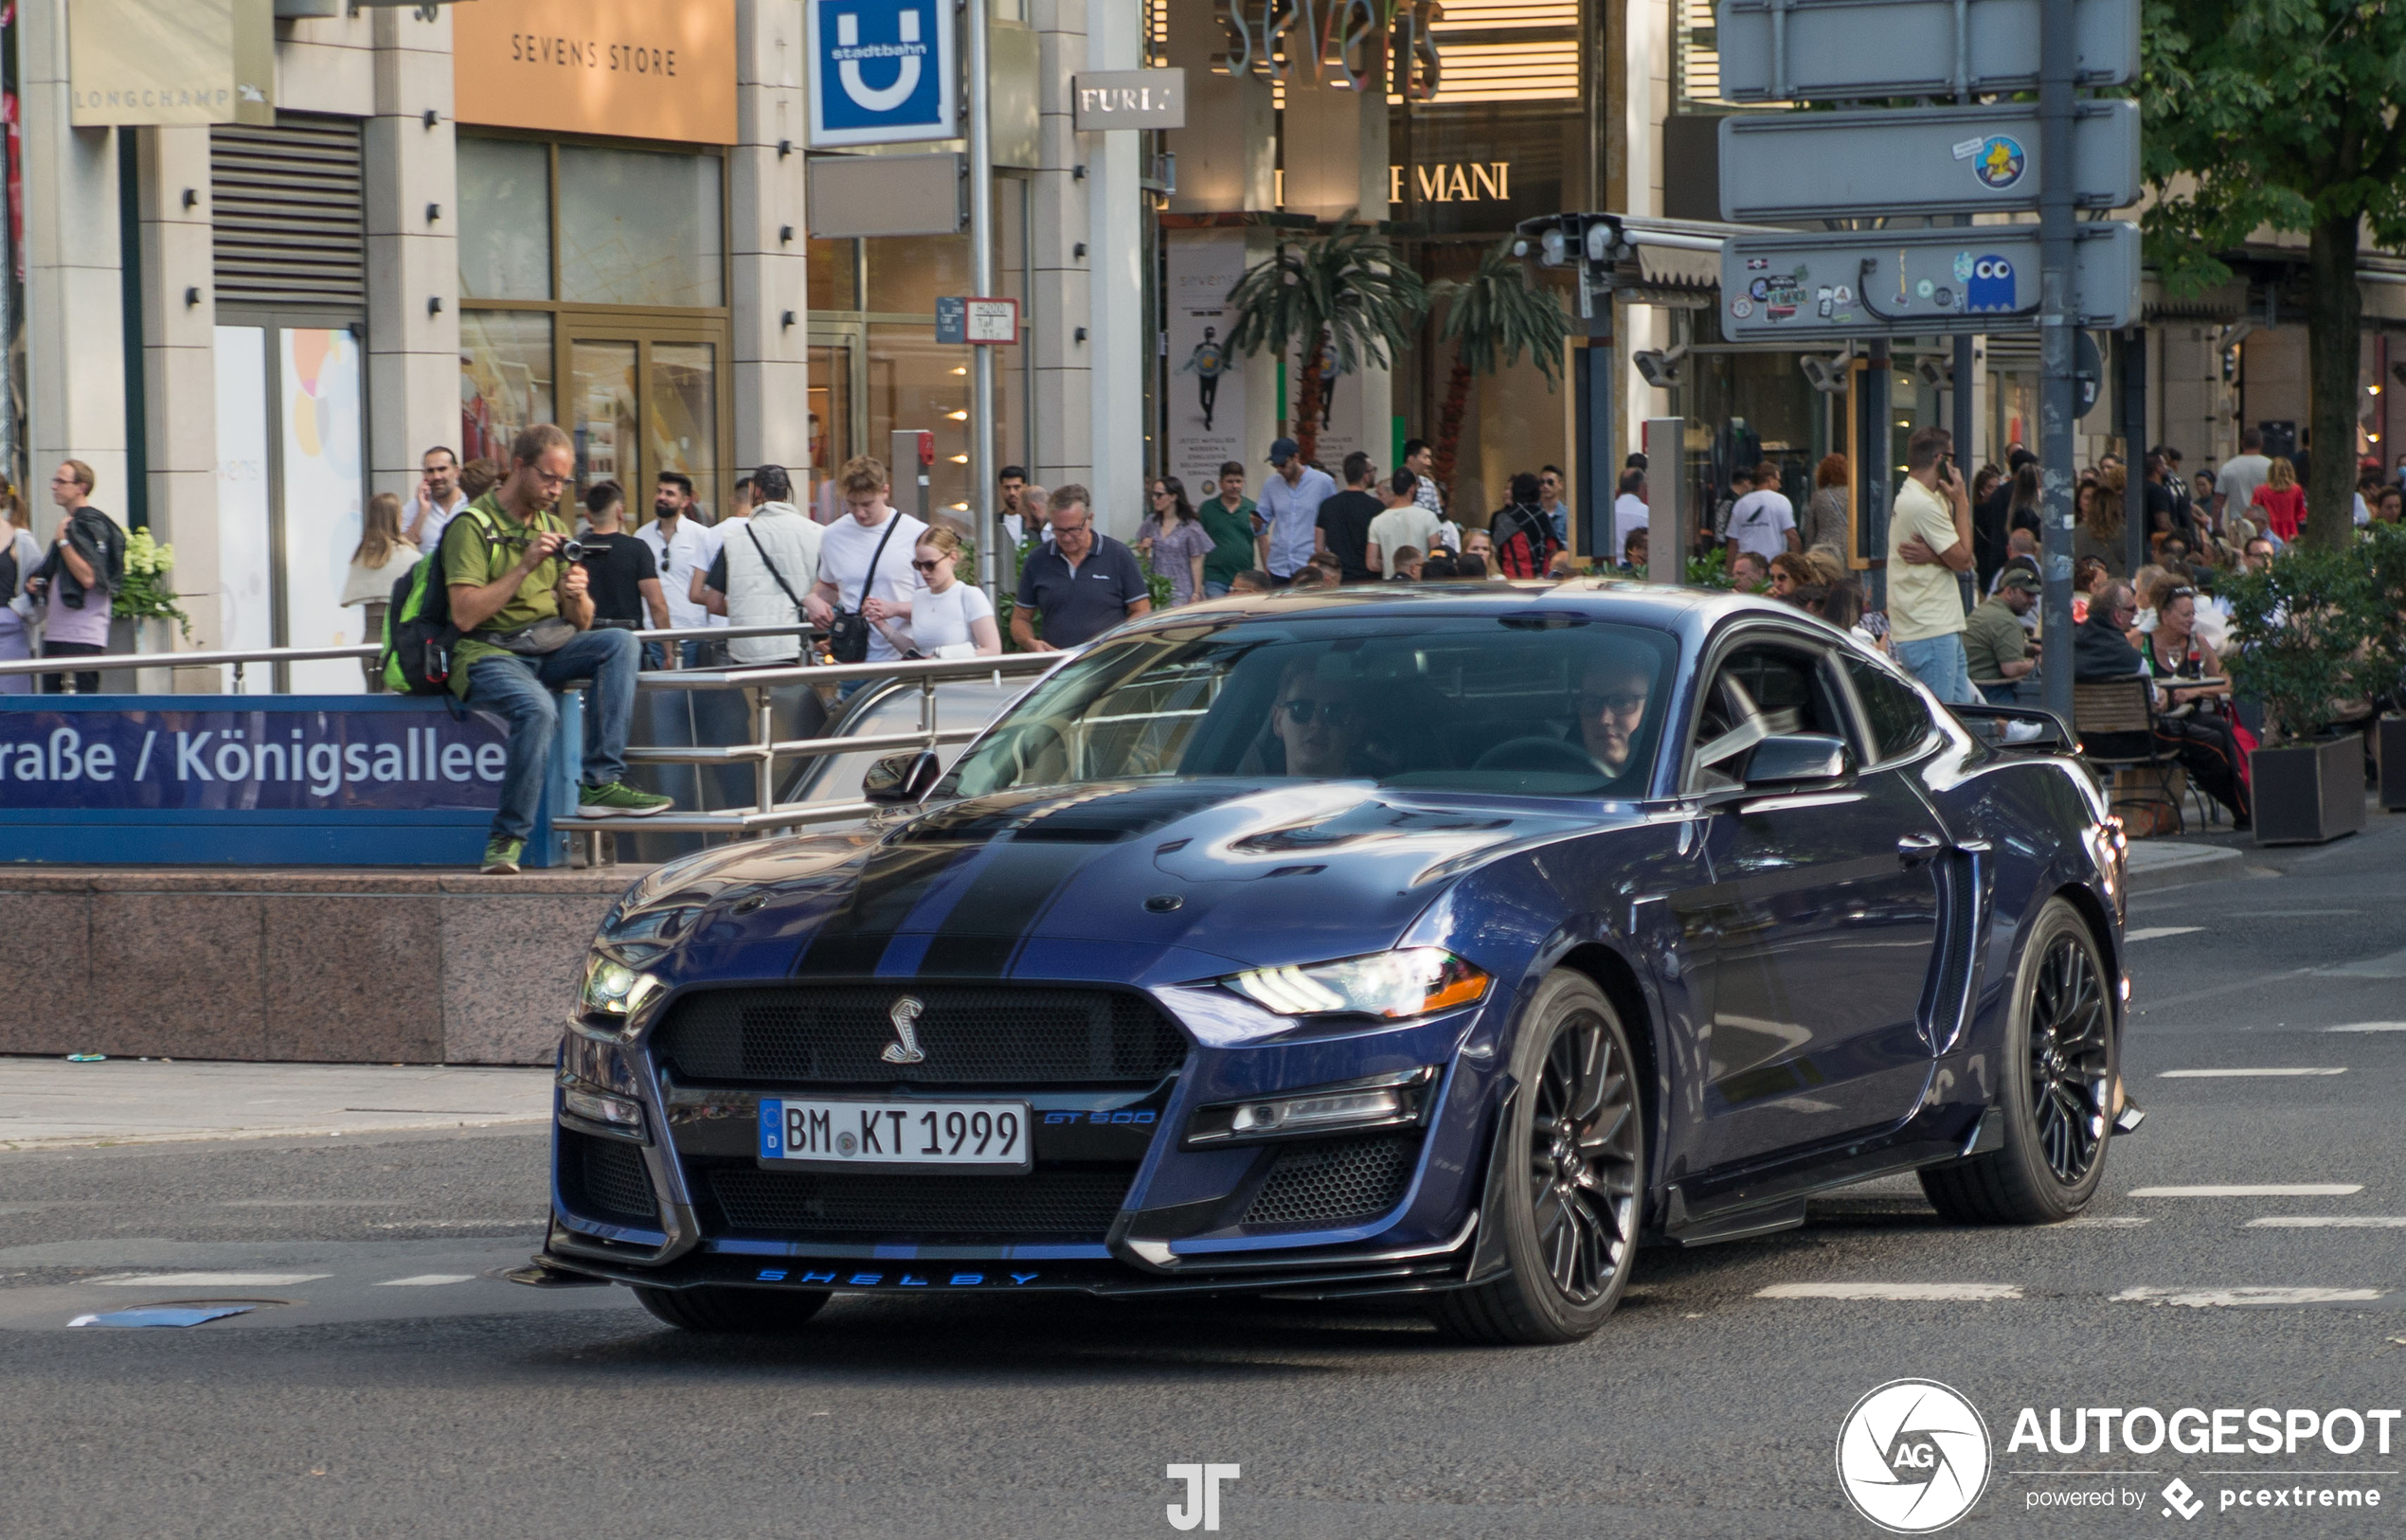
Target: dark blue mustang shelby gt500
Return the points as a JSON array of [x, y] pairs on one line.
[[1447, 943]]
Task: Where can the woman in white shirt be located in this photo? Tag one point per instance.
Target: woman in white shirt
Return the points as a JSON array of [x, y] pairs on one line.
[[949, 618], [383, 556]]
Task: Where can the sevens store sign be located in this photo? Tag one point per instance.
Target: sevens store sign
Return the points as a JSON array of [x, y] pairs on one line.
[[881, 72]]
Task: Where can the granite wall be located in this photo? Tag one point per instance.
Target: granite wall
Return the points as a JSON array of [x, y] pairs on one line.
[[379, 966]]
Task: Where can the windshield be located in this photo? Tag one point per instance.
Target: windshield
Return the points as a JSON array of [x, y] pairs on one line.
[[1546, 703]]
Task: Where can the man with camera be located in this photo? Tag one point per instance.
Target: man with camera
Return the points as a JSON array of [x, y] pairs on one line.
[[521, 600]]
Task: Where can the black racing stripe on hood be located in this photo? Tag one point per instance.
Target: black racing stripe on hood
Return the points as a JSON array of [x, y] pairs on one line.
[[985, 930], [892, 881]]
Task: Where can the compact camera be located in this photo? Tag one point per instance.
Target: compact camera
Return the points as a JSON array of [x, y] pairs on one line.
[[576, 551]]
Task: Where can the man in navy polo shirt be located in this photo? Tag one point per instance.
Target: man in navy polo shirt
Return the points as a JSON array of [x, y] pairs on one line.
[[1082, 582]]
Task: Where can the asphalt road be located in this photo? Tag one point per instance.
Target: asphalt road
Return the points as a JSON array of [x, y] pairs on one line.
[[400, 1389]]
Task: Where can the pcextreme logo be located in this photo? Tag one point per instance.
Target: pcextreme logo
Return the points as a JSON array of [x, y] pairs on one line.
[[1913, 1457]]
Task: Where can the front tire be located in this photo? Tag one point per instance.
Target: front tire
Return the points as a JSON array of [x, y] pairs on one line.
[[1571, 1157], [719, 1308], [2061, 1064]]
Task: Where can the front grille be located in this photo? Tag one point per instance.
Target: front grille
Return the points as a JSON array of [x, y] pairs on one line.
[[1335, 1179], [983, 1034], [605, 1179], [1062, 1203]]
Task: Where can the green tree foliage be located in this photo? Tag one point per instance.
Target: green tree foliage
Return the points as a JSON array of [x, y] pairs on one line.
[[1491, 321], [2283, 114], [1349, 292], [2301, 635]]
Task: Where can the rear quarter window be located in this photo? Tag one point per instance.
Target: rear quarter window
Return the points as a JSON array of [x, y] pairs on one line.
[[1900, 722]]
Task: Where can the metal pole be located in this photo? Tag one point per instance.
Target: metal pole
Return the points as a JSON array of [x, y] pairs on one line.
[[1670, 518], [1961, 427], [982, 280], [2133, 346], [2057, 57], [1872, 476]]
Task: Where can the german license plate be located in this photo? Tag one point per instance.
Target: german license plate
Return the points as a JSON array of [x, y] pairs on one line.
[[973, 1136]]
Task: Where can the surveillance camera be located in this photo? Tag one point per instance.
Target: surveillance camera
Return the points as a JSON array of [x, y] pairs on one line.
[[1656, 368], [2398, 369], [1933, 373], [1827, 375]]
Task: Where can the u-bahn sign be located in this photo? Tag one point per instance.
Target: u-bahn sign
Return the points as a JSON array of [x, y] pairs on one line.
[[1780, 168], [1861, 51], [1823, 286]]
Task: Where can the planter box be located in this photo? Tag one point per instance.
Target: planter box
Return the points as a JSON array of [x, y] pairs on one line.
[[124, 636], [2393, 753], [2306, 794]]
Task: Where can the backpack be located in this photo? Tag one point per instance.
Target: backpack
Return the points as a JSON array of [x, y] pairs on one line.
[[419, 635]]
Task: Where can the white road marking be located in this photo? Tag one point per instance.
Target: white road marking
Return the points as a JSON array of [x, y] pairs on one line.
[[2101, 1222], [209, 1280], [2260, 1189], [1957, 1292], [2329, 1222], [2243, 1074], [2205, 1298], [2369, 1026], [426, 1281], [2156, 933]]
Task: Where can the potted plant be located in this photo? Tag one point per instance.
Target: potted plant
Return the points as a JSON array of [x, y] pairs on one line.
[[1491, 320], [1351, 295], [139, 611], [2300, 643], [2385, 625]]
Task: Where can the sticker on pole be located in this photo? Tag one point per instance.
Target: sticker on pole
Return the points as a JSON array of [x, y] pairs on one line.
[[2000, 162], [979, 323], [881, 72]]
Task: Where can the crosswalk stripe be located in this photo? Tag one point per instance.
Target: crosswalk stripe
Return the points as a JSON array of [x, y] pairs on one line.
[[2329, 1222], [2255, 1189], [2153, 933], [2242, 1074], [2369, 1026], [2204, 1299], [1979, 1292], [209, 1280], [426, 1281]]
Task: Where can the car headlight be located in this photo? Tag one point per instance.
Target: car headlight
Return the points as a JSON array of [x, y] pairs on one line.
[[613, 989], [1412, 981]]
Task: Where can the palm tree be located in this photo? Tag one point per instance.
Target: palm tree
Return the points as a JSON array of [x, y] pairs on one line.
[[1491, 321], [1350, 294]]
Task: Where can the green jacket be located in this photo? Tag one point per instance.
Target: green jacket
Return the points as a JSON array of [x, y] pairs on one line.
[[481, 545]]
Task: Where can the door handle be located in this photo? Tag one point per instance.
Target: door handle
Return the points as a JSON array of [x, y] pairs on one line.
[[1916, 849]]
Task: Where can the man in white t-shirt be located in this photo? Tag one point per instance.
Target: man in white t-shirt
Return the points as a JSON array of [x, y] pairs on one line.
[[438, 500], [1764, 521], [682, 548], [2242, 475], [853, 543], [1630, 510], [747, 497], [1405, 523]]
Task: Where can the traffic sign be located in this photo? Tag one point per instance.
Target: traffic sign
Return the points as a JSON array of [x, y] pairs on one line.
[[1857, 50], [881, 72], [1827, 285], [1777, 167]]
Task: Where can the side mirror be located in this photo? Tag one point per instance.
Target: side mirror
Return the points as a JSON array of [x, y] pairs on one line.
[[904, 776], [1789, 759]]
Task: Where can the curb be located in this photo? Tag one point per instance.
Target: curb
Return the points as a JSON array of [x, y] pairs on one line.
[[2173, 865]]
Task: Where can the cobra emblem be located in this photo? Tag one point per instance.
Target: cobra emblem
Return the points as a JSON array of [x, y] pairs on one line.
[[905, 1049]]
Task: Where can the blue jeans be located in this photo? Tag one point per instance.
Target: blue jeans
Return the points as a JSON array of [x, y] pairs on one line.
[[518, 689], [656, 655], [1939, 662], [2000, 694], [1214, 590]]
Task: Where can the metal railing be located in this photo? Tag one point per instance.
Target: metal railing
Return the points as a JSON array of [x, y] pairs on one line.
[[764, 751]]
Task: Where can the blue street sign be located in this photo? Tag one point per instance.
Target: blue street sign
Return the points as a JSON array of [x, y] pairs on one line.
[[881, 72], [952, 320]]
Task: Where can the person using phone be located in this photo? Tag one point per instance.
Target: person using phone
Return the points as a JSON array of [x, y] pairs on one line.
[[1928, 542]]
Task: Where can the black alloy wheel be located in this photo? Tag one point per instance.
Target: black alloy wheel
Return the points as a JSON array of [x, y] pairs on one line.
[[2062, 1065], [1574, 1140], [717, 1307]]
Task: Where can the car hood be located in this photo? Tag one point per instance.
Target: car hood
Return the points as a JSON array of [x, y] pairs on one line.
[[1143, 881]]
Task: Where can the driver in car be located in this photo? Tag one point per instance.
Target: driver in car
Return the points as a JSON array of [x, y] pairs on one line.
[[1612, 696], [1319, 721]]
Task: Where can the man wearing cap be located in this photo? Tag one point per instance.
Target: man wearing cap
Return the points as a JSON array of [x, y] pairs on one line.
[[1289, 506], [1994, 645]]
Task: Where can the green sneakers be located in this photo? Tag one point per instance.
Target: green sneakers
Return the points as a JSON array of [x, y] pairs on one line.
[[619, 798], [501, 856]]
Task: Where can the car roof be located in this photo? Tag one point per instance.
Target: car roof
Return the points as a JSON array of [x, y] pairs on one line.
[[1690, 613]]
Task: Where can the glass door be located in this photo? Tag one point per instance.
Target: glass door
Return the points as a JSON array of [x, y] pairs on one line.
[[837, 433], [641, 403]]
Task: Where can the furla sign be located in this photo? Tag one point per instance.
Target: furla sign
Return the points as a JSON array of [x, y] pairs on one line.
[[1130, 99]]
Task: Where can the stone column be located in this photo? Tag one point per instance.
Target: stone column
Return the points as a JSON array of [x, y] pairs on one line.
[[767, 245], [75, 312], [1119, 349], [413, 260], [179, 320], [1059, 287]]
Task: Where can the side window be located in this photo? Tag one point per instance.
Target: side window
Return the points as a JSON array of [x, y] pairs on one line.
[[1760, 691], [1899, 722]]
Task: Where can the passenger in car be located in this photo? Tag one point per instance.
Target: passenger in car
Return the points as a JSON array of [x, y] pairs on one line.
[[1612, 696], [1319, 721]]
